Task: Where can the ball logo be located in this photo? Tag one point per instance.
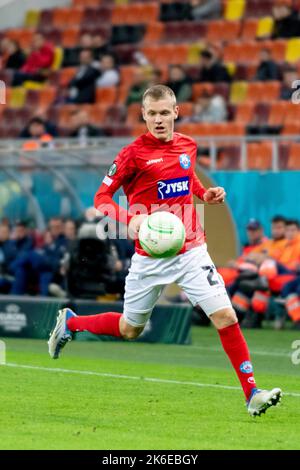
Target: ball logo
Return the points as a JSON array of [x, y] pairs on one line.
[[185, 161], [246, 367]]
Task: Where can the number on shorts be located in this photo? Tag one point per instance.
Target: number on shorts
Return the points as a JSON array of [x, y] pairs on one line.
[[211, 273]]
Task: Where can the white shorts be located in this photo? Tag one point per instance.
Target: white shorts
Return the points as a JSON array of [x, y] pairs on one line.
[[193, 271]]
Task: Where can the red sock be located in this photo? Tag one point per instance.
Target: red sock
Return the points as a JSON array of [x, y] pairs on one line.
[[101, 324], [236, 348]]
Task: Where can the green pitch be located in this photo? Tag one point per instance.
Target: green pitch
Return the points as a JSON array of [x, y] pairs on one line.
[[111, 403]]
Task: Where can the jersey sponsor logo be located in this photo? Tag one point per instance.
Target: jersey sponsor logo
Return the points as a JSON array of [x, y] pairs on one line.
[[173, 188], [185, 161], [155, 160], [112, 170], [246, 367], [108, 181]]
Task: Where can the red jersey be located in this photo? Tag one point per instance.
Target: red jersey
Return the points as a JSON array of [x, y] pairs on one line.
[[155, 175]]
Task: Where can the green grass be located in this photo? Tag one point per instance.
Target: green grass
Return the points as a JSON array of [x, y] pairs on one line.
[[43, 409]]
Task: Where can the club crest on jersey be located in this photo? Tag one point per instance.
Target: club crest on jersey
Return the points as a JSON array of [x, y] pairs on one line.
[[173, 188], [112, 170], [185, 161]]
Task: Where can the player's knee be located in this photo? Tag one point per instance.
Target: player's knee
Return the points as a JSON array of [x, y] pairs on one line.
[[224, 318]]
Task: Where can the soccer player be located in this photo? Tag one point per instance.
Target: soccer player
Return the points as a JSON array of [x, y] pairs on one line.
[[158, 169]]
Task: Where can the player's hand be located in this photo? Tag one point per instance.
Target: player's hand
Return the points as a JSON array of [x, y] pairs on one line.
[[214, 195], [134, 225]]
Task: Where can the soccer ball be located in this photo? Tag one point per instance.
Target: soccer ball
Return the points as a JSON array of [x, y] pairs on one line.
[[162, 234]]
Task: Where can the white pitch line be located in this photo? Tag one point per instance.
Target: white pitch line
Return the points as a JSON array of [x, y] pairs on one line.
[[130, 377]]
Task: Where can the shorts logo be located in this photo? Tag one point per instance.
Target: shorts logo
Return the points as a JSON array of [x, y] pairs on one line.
[[246, 367], [112, 170], [185, 161], [173, 188]]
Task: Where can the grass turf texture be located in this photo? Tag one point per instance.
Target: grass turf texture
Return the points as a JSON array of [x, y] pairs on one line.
[[43, 409]]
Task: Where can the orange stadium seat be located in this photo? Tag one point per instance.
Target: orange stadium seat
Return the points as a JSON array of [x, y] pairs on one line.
[[259, 156], [106, 95], [291, 128], [277, 47], [249, 29], [263, 91], [185, 109], [133, 114], [122, 93], [199, 88], [292, 113], [220, 30], [60, 17], [70, 37], [154, 32], [277, 113], [244, 112], [127, 73], [66, 74], [86, 3], [294, 157], [47, 96]]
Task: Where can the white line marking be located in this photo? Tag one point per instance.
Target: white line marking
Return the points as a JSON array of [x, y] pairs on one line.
[[130, 377]]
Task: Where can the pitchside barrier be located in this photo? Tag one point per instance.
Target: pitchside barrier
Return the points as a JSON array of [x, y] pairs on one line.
[[28, 317]]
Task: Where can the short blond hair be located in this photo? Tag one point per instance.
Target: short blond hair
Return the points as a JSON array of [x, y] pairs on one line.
[[159, 92]]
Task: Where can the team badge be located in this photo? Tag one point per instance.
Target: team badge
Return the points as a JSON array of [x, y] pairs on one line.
[[246, 367], [185, 161], [112, 170]]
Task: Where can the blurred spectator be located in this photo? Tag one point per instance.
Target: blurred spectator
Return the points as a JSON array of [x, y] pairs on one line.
[[139, 85], [100, 46], [70, 229], [290, 75], [267, 68], [286, 21], [12, 55], [82, 86], [37, 127], [155, 77], [179, 83], [212, 69], [109, 75], [38, 63], [81, 126], [208, 108], [72, 54], [5, 258], [205, 9], [41, 266]]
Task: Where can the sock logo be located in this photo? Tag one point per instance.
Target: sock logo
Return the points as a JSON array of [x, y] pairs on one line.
[[246, 367], [251, 380]]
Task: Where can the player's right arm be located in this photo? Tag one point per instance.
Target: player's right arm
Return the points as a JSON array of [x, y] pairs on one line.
[[122, 170]]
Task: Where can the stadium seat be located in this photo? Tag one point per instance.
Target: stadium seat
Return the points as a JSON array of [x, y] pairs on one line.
[[259, 156], [86, 3], [185, 109], [292, 113], [70, 37], [234, 9], [265, 27], [17, 97], [249, 29], [66, 74], [291, 128], [106, 95], [238, 92], [220, 30], [47, 96], [258, 8], [60, 17], [277, 48], [138, 129], [244, 112], [277, 113], [293, 50], [32, 18], [45, 21], [229, 157], [199, 88], [263, 91], [294, 157], [154, 32]]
